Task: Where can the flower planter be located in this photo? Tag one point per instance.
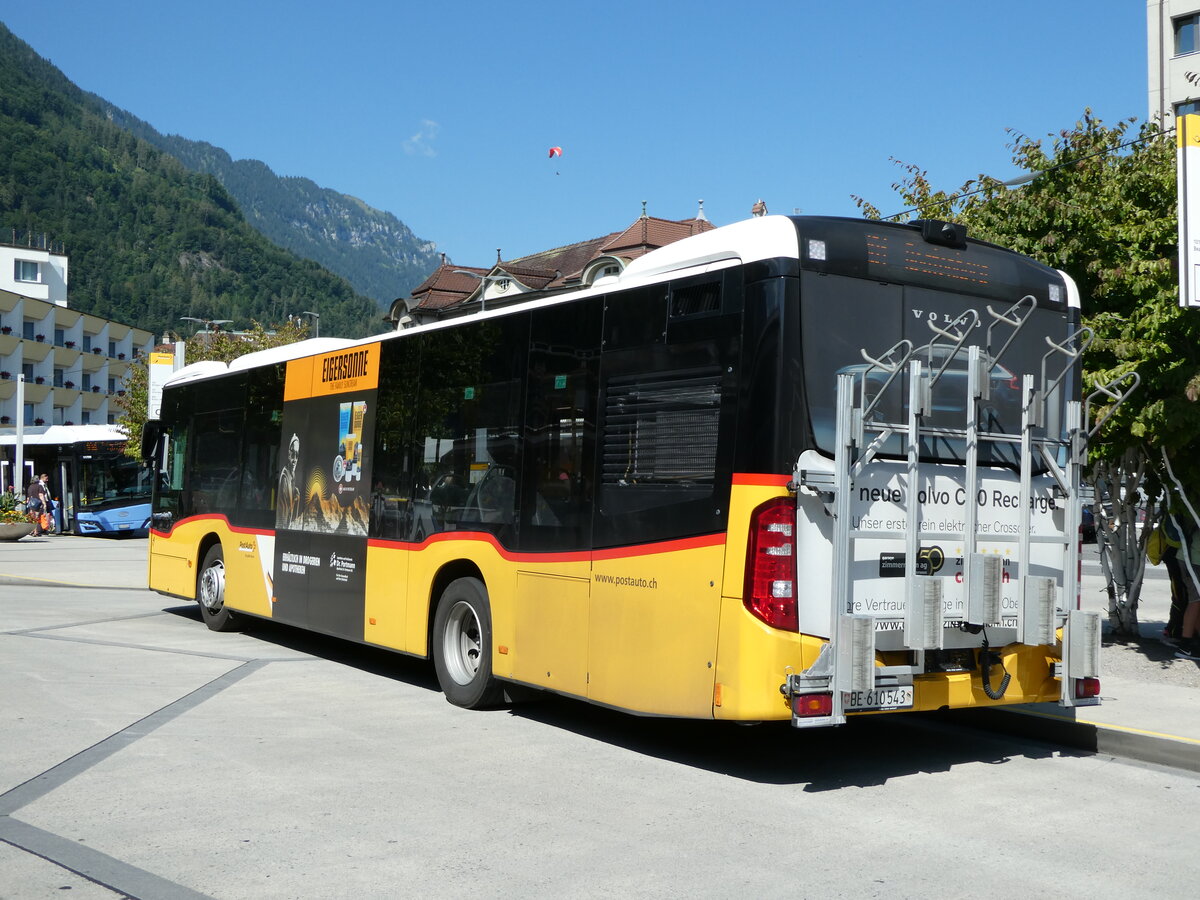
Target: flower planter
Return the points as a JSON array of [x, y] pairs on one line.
[[69, 384], [41, 338], [70, 345], [7, 329], [39, 422], [120, 356], [14, 531], [39, 380]]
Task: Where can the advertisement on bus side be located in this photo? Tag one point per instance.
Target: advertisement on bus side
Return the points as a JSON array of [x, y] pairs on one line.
[[323, 491]]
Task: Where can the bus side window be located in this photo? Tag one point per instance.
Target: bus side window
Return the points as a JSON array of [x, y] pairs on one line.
[[397, 478], [667, 417], [260, 448], [560, 427], [215, 473], [468, 426]]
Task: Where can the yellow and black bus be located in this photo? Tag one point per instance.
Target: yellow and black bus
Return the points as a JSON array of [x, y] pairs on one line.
[[792, 468]]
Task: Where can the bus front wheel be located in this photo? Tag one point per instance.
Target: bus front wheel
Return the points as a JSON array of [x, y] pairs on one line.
[[462, 645], [210, 591]]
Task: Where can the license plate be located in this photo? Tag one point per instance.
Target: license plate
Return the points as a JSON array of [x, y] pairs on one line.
[[881, 698], [124, 525]]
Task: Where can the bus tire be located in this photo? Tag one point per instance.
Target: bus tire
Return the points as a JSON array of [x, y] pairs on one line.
[[210, 592], [462, 645]]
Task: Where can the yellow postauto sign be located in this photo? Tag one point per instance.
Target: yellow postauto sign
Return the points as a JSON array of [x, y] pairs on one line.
[[350, 369]]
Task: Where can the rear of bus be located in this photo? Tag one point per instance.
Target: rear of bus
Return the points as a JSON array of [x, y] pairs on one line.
[[836, 619]]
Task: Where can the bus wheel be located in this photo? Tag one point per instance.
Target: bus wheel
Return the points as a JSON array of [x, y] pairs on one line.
[[462, 645], [210, 591]]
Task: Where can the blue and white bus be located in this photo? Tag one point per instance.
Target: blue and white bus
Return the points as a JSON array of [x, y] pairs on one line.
[[99, 490]]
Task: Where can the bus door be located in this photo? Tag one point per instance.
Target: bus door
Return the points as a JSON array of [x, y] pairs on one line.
[[67, 478]]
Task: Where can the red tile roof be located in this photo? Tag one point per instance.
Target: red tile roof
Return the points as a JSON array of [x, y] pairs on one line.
[[549, 270]]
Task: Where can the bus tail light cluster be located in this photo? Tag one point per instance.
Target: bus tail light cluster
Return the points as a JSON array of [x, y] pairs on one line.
[[808, 705], [770, 590]]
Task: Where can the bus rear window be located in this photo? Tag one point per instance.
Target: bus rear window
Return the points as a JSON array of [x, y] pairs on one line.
[[843, 318]]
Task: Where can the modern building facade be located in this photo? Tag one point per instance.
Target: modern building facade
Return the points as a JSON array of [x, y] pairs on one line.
[[75, 365], [1173, 53]]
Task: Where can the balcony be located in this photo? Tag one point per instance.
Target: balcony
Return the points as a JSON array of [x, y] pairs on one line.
[[66, 357], [36, 351]]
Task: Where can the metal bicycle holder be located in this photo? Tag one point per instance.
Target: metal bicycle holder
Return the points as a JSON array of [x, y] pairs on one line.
[[847, 663]]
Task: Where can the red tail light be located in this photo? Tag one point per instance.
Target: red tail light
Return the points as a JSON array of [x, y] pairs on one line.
[[813, 705], [1087, 687], [770, 590]]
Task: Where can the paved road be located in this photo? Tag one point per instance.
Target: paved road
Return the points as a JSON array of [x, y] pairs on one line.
[[161, 760]]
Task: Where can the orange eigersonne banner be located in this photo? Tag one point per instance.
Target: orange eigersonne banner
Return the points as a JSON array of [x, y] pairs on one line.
[[348, 369]]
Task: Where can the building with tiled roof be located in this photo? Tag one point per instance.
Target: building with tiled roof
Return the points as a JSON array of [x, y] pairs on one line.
[[456, 290]]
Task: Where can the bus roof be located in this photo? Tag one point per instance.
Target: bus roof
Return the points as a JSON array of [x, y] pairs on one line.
[[750, 240]]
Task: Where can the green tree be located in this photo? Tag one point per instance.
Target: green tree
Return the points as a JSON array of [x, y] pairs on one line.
[[1100, 204], [221, 346]]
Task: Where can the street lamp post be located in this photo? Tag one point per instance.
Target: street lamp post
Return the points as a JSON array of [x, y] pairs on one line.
[[207, 323], [316, 321]]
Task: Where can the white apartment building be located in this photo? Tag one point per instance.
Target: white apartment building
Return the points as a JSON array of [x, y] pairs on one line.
[[1173, 52], [75, 365]]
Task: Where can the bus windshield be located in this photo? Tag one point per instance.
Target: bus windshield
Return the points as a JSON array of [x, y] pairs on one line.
[[106, 478]]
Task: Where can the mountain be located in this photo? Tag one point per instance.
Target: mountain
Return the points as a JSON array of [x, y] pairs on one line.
[[149, 241], [370, 248]]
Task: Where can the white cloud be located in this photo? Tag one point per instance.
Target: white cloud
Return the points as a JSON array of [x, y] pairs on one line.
[[421, 143]]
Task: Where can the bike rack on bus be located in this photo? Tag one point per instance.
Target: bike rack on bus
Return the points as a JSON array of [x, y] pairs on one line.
[[847, 662]]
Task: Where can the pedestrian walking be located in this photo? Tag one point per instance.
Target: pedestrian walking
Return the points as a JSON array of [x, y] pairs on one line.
[[37, 503]]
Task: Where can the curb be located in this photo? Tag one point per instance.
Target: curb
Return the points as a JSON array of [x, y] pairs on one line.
[[1112, 740]]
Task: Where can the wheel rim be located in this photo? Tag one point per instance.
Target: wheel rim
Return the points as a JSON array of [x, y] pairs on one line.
[[212, 587], [462, 643]]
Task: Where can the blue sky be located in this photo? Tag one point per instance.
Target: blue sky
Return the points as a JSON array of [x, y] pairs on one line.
[[443, 113]]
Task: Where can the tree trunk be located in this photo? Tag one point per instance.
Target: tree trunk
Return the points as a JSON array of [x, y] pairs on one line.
[[1122, 543]]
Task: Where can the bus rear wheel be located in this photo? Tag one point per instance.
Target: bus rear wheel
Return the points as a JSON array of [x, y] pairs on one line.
[[462, 645], [210, 591]]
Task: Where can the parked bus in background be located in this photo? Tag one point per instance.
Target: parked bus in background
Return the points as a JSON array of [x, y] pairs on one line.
[[793, 468], [100, 491]]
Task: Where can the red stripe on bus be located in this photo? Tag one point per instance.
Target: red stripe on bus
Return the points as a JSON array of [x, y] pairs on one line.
[[708, 540], [753, 479], [215, 517]]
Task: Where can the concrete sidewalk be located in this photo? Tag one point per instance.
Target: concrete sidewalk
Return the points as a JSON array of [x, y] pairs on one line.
[[1150, 701], [1150, 708]]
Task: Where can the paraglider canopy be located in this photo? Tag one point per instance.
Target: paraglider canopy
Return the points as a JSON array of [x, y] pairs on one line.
[[555, 151]]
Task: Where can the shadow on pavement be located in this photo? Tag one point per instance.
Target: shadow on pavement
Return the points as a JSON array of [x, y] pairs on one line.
[[865, 752], [373, 660]]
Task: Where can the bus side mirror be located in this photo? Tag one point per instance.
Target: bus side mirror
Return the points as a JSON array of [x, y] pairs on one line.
[[152, 433]]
